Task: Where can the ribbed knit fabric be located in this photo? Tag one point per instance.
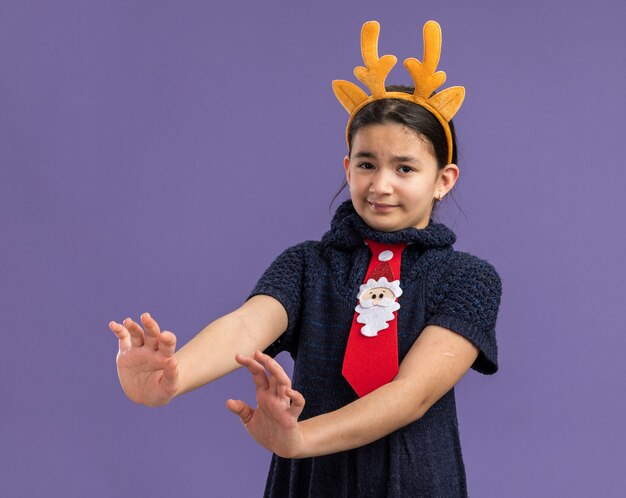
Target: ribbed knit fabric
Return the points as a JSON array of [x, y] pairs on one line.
[[317, 282]]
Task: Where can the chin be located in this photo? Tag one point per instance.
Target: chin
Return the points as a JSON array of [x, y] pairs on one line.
[[383, 225], [388, 222]]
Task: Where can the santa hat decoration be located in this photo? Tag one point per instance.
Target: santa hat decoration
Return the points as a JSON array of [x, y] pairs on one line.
[[382, 276]]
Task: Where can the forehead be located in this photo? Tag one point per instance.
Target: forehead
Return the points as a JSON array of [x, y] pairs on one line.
[[392, 139]]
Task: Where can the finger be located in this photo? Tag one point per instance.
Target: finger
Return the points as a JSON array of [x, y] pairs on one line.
[[279, 380], [122, 334], [240, 408], [167, 344], [272, 366], [136, 333], [152, 330], [256, 369], [259, 376], [297, 402], [273, 381], [169, 381]]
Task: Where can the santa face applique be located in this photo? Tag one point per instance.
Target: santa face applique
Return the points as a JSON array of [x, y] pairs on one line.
[[377, 303]]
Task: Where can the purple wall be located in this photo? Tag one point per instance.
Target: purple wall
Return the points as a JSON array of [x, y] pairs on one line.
[[156, 156]]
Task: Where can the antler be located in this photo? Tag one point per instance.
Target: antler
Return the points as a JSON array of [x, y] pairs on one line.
[[423, 73], [373, 75], [427, 80], [375, 72]]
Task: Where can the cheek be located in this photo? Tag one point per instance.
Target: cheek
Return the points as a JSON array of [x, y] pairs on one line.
[[418, 191], [352, 190], [356, 184]]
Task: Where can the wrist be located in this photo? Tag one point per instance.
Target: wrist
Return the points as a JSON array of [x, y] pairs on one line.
[[296, 446], [307, 442], [181, 377]]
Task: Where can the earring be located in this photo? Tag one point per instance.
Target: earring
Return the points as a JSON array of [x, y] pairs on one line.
[[440, 196]]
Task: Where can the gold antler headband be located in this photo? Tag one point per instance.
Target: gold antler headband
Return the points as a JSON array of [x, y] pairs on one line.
[[442, 105]]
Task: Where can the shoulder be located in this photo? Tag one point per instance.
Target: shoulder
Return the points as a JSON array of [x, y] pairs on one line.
[[466, 279], [284, 276], [303, 250], [297, 257], [463, 265], [304, 246]]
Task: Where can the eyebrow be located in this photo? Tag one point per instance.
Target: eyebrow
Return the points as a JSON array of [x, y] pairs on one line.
[[398, 159]]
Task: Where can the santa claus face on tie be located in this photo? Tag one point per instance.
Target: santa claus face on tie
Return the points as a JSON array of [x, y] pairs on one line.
[[376, 295], [377, 302]]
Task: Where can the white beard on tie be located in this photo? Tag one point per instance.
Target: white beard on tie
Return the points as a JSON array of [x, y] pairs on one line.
[[375, 316]]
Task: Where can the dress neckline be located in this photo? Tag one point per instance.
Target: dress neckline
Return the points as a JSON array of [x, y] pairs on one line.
[[348, 231]]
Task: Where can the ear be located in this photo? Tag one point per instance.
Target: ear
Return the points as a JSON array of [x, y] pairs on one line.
[[346, 166], [448, 177]]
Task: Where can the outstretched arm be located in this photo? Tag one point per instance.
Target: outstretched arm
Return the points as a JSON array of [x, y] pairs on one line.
[[433, 365], [150, 371], [210, 354]]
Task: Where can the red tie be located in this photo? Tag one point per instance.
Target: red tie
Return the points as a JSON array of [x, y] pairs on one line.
[[371, 358]]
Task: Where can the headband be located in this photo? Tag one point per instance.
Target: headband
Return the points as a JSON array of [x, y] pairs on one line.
[[443, 105]]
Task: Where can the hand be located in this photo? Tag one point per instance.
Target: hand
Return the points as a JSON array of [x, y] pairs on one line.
[[146, 366], [274, 423]]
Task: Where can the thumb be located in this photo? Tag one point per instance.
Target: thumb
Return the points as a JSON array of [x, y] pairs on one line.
[[170, 376], [240, 408]]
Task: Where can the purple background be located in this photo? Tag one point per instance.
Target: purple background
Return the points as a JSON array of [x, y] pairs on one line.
[[157, 156]]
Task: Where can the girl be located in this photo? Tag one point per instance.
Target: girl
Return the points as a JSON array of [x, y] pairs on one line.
[[371, 412]]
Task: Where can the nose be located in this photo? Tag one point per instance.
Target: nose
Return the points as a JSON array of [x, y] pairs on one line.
[[381, 182]]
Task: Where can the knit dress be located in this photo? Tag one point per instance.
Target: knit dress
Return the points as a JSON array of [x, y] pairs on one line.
[[317, 282]]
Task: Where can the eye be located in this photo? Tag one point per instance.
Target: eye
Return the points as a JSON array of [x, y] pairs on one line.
[[366, 166], [406, 169]]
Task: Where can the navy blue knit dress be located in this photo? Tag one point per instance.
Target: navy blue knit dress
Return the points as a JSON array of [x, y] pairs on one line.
[[317, 282]]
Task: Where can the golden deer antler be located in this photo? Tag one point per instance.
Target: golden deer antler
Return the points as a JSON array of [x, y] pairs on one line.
[[375, 72], [373, 75], [423, 73]]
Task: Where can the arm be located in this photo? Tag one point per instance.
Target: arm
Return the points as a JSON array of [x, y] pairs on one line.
[[152, 374], [210, 354], [433, 365]]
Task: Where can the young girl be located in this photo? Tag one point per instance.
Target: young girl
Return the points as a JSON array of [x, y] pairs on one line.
[[371, 411]]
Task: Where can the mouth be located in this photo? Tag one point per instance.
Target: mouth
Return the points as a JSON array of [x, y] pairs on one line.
[[381, 207]]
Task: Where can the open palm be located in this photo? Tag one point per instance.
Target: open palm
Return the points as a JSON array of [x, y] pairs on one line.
[[146, 366], [274, 423]]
